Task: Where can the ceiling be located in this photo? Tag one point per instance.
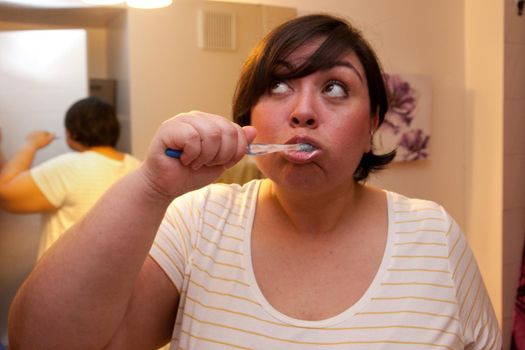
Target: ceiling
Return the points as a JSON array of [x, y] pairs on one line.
[[45, 3], [72, 13]]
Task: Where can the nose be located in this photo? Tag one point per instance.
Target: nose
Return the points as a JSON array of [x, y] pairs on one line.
[[304, 121], [304, 113]]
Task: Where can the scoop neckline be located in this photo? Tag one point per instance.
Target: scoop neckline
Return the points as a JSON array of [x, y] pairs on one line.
[[336, 319]]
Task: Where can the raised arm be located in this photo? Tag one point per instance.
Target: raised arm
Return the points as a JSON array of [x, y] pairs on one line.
[[2, 157], [18, 191], [23, 159], [95, 287]]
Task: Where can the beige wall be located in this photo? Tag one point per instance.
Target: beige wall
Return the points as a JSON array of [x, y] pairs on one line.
[[513, 159], [484, 136], [97, 47], [189, 78], [118, 69]]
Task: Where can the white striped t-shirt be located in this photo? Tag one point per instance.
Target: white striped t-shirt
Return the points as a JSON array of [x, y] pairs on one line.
[[427, 293]]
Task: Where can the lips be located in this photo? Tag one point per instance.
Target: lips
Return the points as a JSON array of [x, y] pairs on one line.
[[303, 139], [302, 157]]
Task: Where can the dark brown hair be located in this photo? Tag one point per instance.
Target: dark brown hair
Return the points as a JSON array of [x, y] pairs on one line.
[[341, 38], [92, 122]]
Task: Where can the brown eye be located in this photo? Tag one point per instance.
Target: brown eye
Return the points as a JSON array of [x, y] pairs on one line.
[[335, 89]]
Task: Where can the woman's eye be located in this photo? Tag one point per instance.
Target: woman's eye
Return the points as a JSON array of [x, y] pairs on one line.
[[335, 89], [279, 87]]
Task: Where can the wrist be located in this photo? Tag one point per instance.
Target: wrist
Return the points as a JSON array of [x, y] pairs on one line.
[[29, 147], [151, 191]]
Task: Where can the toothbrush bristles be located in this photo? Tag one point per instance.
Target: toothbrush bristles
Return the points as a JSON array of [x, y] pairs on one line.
[[306, 147]]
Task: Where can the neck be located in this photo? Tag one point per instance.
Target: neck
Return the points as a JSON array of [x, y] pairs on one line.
[[107, 151], [314, 214]]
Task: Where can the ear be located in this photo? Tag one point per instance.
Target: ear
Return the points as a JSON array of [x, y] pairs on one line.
[[69, 135], [72, 143]]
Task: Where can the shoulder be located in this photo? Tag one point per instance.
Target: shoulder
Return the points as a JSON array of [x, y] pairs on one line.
[[222, 194], [403, 204], [416, 213], [130, 160], [233, 191], [216, 201], [61, 161]]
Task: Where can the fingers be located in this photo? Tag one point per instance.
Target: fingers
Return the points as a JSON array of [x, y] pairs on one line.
[[39, 139], [206, 139]]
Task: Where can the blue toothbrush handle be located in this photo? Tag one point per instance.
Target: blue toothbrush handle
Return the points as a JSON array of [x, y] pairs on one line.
[[173, 153]]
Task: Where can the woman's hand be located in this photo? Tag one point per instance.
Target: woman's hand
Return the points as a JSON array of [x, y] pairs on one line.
[[39, 139], [209, 143]]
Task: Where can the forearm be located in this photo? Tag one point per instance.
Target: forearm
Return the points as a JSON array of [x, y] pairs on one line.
[[20, 162], [81, 289], [2, 160], [78, 293]]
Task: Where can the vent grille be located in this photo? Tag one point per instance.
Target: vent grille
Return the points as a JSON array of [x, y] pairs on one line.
[[216, 30]]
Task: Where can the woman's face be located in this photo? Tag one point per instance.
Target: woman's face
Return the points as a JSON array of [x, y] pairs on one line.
[[329, 109]]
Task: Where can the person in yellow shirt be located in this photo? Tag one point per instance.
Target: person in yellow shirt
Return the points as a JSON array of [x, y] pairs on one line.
[[65, 187]]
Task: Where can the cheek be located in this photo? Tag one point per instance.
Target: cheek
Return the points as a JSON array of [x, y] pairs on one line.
[[353, 135], [265, 121]]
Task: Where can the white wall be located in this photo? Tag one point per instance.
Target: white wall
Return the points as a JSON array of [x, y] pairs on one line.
[[42, 73]]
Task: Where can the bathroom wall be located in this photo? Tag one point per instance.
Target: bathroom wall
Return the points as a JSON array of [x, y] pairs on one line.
[[484, 26], [513, 159], [189, 78], [41, 73]]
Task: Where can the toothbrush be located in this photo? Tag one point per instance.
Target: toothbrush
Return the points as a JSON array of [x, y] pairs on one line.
[[258, 149]]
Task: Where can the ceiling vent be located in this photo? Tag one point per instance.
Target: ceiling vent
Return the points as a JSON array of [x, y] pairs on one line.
[[216, 30]]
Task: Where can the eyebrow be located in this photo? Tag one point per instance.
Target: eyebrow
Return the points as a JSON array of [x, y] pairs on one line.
[[348, 65]]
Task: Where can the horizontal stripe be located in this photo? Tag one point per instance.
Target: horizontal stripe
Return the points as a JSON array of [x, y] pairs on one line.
[[291, 341], [416, 298], [222, 293], [416, 284], [418, 270], [220, 278]]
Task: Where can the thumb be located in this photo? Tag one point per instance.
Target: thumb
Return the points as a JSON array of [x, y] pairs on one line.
[[250, 132]]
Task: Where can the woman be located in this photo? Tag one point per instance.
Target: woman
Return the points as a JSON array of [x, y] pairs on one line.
[[310, 257], [65, 187]]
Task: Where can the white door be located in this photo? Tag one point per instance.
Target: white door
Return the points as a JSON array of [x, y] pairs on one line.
[[42, 72]]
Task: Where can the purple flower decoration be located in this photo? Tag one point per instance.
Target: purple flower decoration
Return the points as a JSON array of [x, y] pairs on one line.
[[402, 103], [413, 145]]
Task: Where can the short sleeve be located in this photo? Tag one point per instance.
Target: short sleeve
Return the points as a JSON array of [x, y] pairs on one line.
[[51, 178], [175, 239], [478, 321]]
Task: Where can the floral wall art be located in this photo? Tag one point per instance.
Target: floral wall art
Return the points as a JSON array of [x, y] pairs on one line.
[[407, 123]]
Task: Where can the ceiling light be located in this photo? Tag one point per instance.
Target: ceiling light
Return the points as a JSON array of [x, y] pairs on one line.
[[149, 4], [104, 2]]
